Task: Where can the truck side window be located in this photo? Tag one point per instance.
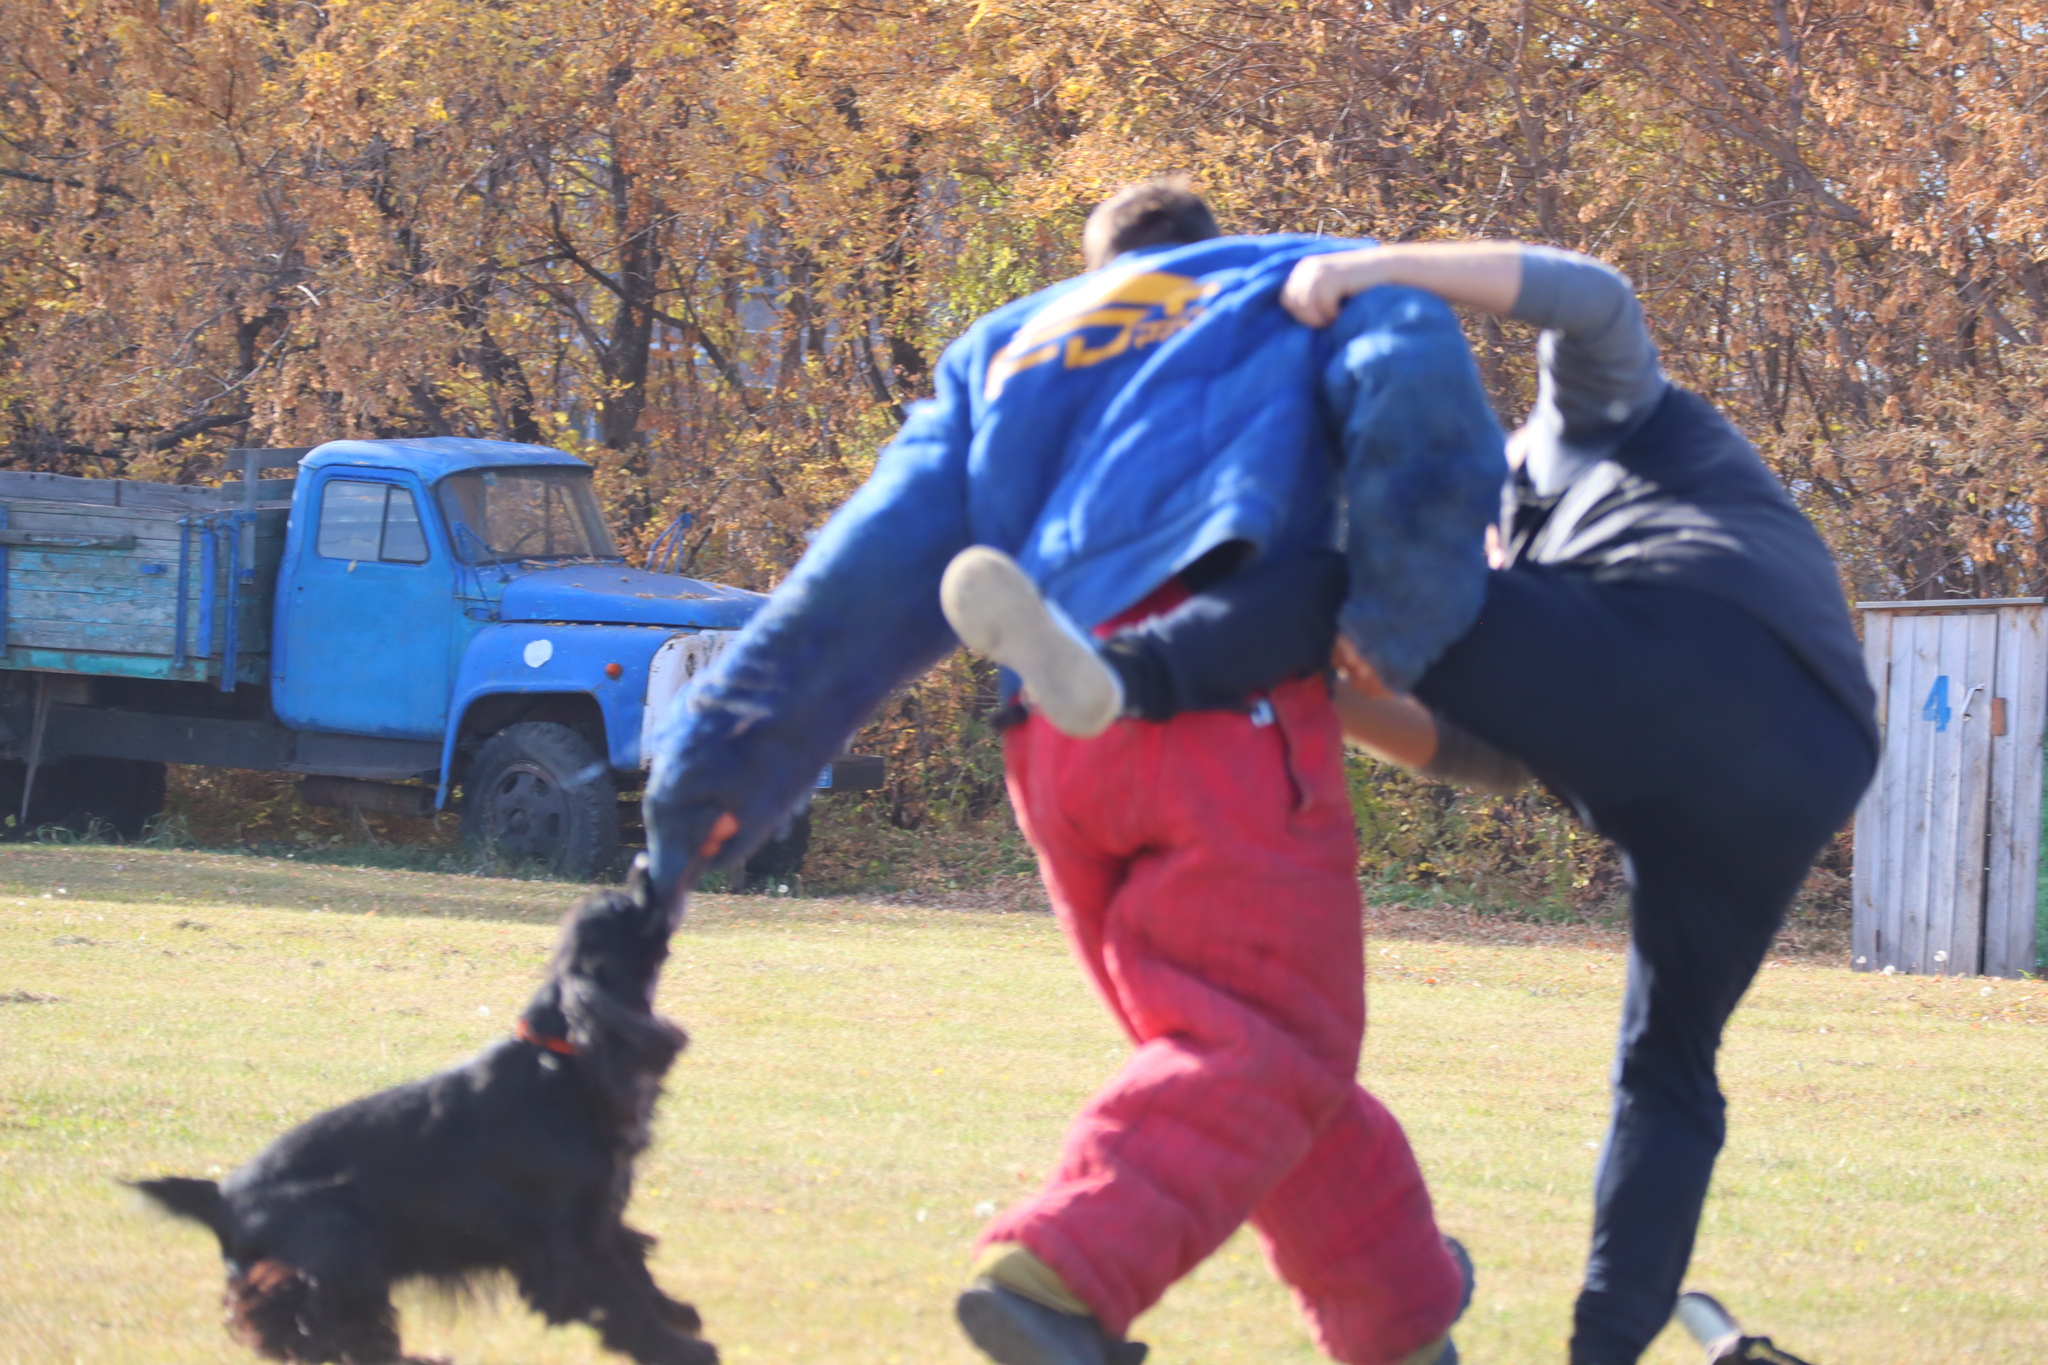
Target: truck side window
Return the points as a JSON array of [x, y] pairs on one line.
[[378, 522], [404, 541]]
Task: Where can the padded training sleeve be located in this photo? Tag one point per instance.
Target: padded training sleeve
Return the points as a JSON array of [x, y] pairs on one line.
[[1423, 469], [857, 617]]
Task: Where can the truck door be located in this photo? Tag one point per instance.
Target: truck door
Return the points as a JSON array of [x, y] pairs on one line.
[[366, 602]]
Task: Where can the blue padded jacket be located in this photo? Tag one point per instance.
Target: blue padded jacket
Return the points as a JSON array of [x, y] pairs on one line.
[[1108, 431]]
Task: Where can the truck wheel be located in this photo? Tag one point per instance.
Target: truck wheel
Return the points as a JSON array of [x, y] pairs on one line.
[[542, 792], [782, 856], [120, 794]]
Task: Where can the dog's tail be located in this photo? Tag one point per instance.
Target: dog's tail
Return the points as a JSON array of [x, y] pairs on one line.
[[198, 1200]]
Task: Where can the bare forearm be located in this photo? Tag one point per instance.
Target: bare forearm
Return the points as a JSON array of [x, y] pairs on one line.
[[1401, 730], [1600, 364], [1482, 275], [1395, 729]]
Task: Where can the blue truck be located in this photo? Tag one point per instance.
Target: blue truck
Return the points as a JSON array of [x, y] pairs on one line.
[[407, 624]]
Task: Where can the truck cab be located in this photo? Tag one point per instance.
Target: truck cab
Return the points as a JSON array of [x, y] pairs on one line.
[[421, 578], [468, 593]]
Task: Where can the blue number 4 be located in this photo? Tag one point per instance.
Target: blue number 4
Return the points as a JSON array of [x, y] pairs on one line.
[[1936, 708]]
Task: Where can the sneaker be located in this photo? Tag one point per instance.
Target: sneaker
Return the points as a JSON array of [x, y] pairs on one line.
[[996, 610], [1013, 1330]]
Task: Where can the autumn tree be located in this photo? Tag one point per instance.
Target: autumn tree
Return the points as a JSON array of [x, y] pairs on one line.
[[716, 248]]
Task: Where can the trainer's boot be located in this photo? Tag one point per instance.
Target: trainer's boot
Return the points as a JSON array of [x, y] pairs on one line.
[[1446, 1352], [997, 611], [1013, 1330]]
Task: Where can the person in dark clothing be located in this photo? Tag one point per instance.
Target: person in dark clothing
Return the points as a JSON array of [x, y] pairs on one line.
[[1664, 644]]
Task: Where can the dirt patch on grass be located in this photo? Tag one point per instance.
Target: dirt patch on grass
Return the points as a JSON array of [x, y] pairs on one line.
[[1805, 937]]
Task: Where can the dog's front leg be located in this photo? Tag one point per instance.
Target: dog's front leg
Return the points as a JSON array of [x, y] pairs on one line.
[[615, 1294], [638, 1326], [633, 1247], [682, 1316]]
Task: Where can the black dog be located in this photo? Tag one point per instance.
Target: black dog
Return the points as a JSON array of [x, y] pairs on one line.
[[520, 1159]]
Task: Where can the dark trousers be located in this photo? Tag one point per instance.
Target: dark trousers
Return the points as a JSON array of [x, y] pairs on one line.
[[1686, 732]]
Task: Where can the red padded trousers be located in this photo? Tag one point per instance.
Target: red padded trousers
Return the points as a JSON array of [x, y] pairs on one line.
[[1205, 871]]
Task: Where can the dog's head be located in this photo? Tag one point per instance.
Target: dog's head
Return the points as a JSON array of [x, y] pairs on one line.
[[599, 999], [615, 941]]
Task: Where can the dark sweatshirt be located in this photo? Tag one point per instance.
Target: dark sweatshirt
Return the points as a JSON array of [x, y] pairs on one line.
[[1633, 479]]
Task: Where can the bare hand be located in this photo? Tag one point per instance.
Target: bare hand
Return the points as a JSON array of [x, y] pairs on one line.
[[1316, 290], [722, 829], [1363, 678]]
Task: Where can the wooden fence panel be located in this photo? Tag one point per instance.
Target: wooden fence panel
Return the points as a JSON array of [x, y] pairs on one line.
[[1960, 944], [1934, 654], [1905, 825]]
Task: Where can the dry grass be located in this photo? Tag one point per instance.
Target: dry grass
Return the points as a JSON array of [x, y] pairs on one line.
[[867, 1081]]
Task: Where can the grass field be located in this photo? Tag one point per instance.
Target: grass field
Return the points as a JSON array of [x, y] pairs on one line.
[[868, 1083]]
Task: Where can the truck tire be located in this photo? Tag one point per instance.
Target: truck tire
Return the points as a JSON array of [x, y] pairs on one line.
[[541, 792], [118, 794], [781, 857]]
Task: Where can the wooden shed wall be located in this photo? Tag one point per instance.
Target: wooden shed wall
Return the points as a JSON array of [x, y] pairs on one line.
[[1948, 837]]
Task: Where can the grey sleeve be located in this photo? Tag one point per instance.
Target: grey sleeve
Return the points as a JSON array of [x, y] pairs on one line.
[[1599, 366]]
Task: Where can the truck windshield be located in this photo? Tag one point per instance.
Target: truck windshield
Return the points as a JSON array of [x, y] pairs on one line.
[[524, 514]]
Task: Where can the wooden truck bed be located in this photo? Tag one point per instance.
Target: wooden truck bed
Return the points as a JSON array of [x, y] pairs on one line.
[[139, 580]]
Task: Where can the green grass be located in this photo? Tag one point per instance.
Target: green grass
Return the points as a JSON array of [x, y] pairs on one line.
[[866, 1083]]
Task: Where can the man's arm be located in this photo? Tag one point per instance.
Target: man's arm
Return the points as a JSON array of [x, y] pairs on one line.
[[1391, 726], [1482, 275], [1599, 364], [857, 617], [1398, 729]]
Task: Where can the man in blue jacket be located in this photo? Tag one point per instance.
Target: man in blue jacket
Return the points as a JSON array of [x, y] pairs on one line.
[[1154, 424]]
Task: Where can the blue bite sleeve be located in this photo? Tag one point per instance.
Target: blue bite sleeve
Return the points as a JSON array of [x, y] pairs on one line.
[[857, 617], [1424, 465]]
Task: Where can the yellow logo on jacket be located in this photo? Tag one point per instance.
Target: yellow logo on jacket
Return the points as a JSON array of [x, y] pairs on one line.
[[1136, 310]]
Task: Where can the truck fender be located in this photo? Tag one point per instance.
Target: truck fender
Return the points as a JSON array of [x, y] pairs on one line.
[[539, 658]]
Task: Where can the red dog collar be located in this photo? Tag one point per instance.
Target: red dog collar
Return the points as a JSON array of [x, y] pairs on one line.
[[523, 1031]]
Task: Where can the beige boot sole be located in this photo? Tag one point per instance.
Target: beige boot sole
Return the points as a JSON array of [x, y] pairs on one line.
[[996, 610]]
